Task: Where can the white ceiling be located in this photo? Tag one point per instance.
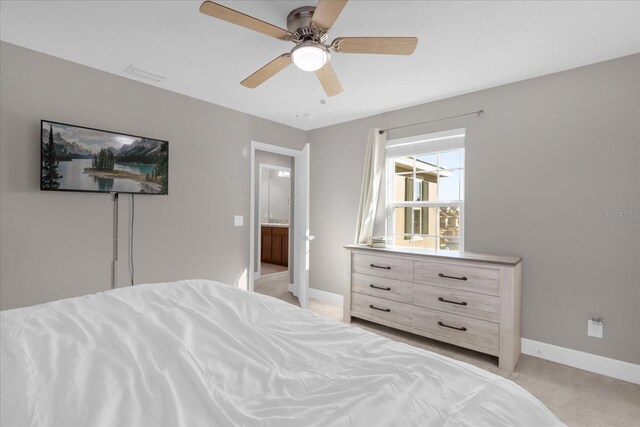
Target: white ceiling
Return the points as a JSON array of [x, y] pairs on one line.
[[462, 47]]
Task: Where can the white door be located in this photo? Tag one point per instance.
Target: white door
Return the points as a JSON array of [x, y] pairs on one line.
[[301, 225]]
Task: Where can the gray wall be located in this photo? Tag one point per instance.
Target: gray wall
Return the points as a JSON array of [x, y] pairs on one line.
[[548, 157], [58, 245]]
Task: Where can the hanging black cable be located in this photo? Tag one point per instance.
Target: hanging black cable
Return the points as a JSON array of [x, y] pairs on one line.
[[133, 214], [114, 264]]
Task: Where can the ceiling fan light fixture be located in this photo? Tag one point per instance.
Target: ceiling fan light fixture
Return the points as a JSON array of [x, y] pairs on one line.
[[310, 56]]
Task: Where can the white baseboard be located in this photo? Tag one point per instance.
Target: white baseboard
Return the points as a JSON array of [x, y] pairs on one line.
[[325, 296], [578, 359]]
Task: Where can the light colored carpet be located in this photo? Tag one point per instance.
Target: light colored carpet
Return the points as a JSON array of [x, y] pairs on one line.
[[266, 268], [577, 397], [276, 285]]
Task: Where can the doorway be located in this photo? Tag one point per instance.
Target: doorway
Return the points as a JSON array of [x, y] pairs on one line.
[[274, 188], [279, 234]]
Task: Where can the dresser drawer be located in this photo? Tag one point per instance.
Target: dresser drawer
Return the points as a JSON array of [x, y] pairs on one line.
[[471, 333], [478, 306], [378, 308], [383, 288], [381, 266], [457, 276]]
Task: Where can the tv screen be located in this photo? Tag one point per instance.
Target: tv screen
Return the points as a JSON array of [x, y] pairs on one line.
[[77, 158]]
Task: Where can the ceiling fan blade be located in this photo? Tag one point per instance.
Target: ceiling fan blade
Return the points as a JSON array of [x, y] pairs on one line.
[[380, 45], [226, 14], [266, 72], [326, 13], [329, 80]]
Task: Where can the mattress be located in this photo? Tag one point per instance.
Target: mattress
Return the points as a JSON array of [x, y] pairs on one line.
[[201, 353]]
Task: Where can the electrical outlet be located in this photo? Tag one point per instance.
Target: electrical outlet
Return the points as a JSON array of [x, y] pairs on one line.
[[238, 221], [595, 328]]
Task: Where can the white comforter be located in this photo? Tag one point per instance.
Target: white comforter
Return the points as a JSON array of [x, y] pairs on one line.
[[200, 353]]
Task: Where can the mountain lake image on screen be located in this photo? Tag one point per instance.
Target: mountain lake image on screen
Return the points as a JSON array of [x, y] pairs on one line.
[[76, 158]]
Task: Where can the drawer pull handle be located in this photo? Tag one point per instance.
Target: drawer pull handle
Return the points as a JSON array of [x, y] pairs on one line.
[[452, 302], [452, 277], [381, 309], [463, 329], [380, 266], [380, 287]]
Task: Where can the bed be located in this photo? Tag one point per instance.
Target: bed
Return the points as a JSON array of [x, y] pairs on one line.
[[201, 353]]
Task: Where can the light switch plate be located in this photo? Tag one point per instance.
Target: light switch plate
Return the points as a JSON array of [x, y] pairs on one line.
[[595, 329], [238, 220]]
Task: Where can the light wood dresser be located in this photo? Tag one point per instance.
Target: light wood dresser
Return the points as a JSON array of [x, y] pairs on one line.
[[470, 300]]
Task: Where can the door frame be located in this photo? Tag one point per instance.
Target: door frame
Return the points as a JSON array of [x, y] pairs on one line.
[[301, 209], [261, 167]]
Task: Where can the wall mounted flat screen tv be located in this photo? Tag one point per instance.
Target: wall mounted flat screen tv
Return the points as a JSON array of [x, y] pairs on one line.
[[77, 158]]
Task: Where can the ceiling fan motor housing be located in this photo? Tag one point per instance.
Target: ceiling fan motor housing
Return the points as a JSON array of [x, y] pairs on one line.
[[299, 24]]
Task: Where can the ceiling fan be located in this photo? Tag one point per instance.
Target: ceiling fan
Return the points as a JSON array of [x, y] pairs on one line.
[[307, 28]]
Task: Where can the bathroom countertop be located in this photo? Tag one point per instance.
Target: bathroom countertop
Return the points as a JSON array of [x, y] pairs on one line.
[[274, 224]]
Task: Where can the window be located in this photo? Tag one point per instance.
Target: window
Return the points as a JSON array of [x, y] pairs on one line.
[[425, 191]]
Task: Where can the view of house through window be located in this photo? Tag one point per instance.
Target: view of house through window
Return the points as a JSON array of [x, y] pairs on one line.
[[425, 198]]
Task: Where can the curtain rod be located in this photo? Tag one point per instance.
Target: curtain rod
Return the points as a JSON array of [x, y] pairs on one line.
[[477, 113]]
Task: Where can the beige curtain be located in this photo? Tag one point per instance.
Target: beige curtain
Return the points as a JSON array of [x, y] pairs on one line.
[[373, 165]]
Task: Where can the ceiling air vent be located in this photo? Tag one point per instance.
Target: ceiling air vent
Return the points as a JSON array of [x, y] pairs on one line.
[[135, 71]]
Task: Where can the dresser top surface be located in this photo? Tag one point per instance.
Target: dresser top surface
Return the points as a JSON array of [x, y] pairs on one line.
[[431, 253]]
